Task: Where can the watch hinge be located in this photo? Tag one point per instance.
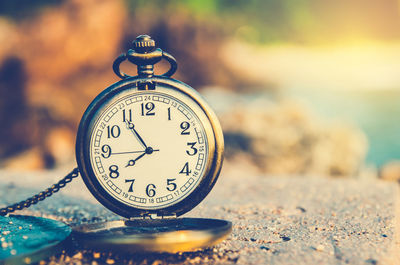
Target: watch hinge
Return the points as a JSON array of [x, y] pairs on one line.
[[146, 85], [153, 216]]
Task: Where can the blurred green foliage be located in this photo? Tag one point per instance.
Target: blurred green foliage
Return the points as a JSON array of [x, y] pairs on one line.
[[301, 21], [252, 20]]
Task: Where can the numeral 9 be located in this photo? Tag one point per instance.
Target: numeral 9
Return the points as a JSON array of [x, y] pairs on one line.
[[106, 149]]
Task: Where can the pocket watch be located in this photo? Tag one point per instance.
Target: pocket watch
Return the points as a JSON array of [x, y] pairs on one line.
[[149, 148]]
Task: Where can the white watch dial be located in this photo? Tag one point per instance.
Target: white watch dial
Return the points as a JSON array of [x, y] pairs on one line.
[[148, 150]]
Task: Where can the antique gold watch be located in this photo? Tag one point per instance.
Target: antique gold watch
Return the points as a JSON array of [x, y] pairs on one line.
[[150, 149]]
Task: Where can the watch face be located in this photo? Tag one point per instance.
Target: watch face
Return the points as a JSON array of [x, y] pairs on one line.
[[148, 149]]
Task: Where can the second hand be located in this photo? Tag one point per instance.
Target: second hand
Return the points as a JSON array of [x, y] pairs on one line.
[[131, 152]]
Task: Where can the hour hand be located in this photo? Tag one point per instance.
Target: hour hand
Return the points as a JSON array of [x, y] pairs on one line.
[[131, 127], [132, 162], [149, 150]]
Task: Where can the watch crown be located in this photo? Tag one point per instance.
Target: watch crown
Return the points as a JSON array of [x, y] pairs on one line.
[[144, 44]]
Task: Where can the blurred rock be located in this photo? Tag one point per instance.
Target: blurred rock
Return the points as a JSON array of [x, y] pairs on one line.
[[390, 171], [60, 146], [195, 42], [64, 54], [31, 159], [68, 51], [284, 138], [61, 59], [8, 37], [53, 65], [13, 107]]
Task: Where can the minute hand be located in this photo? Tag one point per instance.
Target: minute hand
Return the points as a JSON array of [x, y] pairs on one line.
[[131, 126]]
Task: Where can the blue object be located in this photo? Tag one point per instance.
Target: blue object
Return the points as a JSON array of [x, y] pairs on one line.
[[28, 239]]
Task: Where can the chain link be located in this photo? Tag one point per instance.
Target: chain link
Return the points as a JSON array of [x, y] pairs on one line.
[[41, 195]]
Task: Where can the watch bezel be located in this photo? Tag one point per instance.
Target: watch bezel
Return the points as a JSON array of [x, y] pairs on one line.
[[214, 162]]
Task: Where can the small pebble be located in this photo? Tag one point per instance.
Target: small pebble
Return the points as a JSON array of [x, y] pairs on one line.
[[320, 248], [301, 209], [78, 255], [110, 261]]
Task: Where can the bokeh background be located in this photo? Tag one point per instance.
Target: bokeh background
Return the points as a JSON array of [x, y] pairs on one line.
[[305, 87]]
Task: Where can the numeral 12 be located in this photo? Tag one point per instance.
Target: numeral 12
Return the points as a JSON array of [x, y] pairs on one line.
[[149, 108]]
